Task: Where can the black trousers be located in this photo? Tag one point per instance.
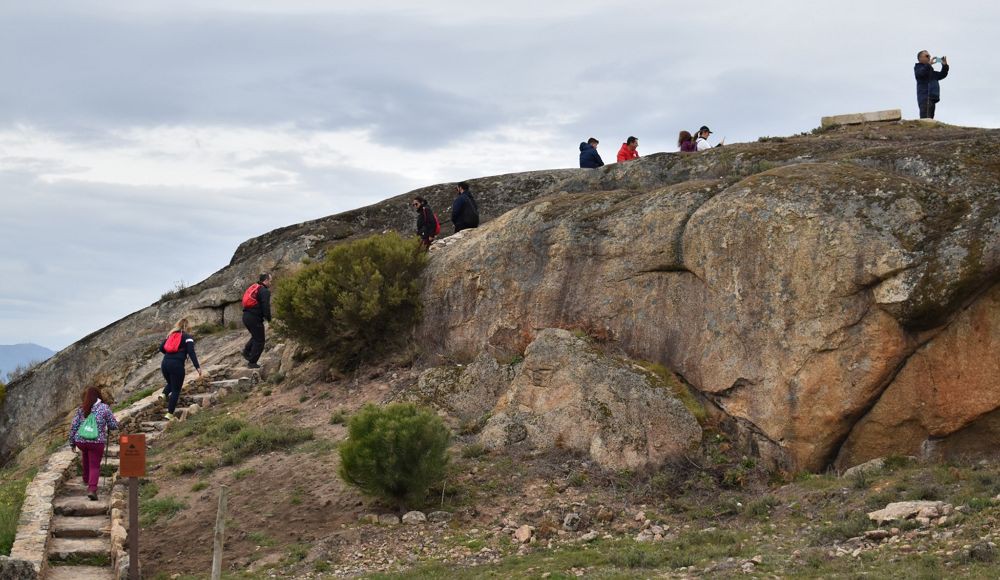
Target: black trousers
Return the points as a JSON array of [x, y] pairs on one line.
[[254, 346], [927, 107], [173, 371]]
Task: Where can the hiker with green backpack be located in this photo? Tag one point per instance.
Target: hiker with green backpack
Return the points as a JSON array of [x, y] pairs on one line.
[[89, 434]]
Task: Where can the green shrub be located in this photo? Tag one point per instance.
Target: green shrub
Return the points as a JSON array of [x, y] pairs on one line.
[[339, 417], [359, 303], [3, 392], [396, 452]]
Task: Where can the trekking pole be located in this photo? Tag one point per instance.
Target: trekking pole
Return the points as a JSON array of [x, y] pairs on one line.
[[107, 449]]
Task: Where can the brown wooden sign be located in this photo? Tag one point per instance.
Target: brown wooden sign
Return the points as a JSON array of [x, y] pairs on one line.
[[132, 455]]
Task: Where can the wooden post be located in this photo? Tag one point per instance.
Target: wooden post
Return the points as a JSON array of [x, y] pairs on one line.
[[133, 528], [220, 532], [132, 458]]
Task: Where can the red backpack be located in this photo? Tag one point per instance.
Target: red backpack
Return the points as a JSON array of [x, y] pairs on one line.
[[437, 224], [173, 343], [250, 296]]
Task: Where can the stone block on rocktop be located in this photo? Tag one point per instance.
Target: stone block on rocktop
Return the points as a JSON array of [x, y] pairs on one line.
[[859, 118]]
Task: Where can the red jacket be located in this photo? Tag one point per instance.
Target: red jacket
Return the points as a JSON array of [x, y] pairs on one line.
[[626, 154]]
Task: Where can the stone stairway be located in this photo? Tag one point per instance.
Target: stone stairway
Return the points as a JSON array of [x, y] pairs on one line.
[[62, 534], [80, 543]]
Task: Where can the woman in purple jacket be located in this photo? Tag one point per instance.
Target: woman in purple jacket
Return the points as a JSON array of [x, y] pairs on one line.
[[91, 446]]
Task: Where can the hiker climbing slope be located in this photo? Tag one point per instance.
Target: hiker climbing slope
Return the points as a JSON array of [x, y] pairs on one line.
[[89, 434], [176, 349], [256, 309]]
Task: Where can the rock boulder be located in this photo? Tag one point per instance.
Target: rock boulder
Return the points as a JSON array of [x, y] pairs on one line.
[[567, 395]]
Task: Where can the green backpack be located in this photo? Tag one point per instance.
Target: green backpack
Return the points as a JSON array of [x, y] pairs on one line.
[[89, 430]]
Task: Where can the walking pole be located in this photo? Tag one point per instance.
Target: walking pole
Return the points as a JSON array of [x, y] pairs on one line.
[[100, 472]]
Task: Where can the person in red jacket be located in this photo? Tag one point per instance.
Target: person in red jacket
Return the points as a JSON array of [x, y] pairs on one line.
[[628, 151]]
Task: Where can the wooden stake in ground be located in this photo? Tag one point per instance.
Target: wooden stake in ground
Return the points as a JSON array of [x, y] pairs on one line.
[[220, 532]]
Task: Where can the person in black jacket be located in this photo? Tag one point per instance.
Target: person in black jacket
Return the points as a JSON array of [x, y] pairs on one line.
[[172, 366], [928, 89], [426, 222], [256, 309], [589, 157], [464, 210]]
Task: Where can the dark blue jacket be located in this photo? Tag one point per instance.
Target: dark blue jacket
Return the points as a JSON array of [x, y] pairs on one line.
[[589, 157], [186, 351], [464, 212], [927, 81]]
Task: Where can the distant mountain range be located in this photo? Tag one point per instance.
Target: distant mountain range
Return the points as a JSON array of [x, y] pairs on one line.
[[12, 355]]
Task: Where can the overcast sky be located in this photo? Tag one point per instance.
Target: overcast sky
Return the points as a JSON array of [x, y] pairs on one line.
[[141, 142]]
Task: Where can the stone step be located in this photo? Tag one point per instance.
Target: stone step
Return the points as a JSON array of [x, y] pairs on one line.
[[79, 573], [148, 426], [81, 526], [80, 506], [64, 548]]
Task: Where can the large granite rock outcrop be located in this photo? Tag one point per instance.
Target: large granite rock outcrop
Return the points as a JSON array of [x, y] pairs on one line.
[[567, 395], [827, 291], [792, 282]]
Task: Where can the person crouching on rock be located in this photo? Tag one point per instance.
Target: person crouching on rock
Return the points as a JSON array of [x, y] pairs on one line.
[[428, 226], [256, 309], [589, 157], [628, 151], [89, 434], [176, 349], [685, 142], [464, 210]]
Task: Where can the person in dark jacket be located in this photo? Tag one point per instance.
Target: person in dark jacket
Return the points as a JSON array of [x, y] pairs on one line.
[[464, 210], [589, 157], [254, 316], [172, 365], [426, 222], [928, 89]]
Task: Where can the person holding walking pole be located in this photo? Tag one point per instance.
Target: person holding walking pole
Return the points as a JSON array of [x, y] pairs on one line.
[[89, 434]]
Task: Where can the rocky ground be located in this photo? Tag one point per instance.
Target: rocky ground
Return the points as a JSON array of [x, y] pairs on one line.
[[552, 514]]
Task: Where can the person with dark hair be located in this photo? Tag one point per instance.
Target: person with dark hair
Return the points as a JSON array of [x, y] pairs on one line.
[[256, 309], [589, 157], [685, 142], [928, 89], [701, 141], [176, 349], [428, 226], [89, 434], [464, 210], [628, 151]]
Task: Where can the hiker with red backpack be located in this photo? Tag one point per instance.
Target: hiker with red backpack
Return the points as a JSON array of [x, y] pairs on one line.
[[176, 349], [256, 309], [428, 226], [89, 434]]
